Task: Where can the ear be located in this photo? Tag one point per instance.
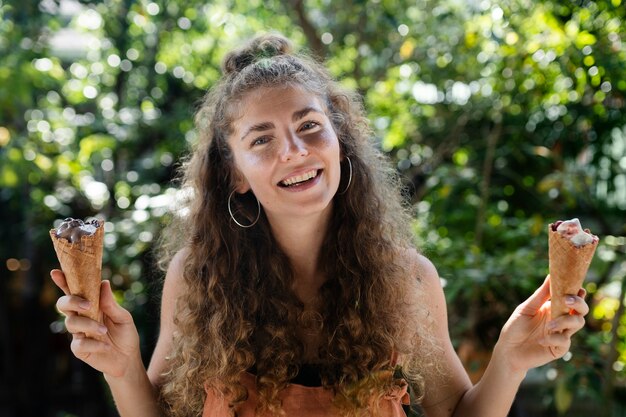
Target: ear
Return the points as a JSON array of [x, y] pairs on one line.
[[243, 187], [241, 183]]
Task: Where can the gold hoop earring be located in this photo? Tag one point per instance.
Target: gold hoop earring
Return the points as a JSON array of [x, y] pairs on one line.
[[349, 177], [230, 211]]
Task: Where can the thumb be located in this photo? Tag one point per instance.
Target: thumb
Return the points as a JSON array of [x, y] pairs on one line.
[[533, 303], [110, 307]]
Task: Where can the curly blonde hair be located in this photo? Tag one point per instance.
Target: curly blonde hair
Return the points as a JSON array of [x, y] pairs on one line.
[[238, 310]]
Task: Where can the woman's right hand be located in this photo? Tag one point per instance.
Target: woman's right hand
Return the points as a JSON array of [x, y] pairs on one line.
[[116, 345]]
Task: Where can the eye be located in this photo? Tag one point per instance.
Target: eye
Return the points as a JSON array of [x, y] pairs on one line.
[[260, 141], [308, 125]]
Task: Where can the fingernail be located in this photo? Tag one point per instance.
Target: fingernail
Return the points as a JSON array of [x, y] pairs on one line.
[[102, 329], [570, 300], [84, 305]]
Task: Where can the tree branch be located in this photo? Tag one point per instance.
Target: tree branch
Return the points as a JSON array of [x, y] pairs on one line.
[[317, 47], [492, 141], [446, 147]]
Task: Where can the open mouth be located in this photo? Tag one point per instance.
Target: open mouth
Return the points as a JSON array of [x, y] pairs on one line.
[[300, 180]]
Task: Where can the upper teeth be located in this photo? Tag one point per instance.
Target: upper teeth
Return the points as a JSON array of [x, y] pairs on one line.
[[300, 178]]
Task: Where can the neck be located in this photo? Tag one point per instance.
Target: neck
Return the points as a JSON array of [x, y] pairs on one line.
[[301, 239]]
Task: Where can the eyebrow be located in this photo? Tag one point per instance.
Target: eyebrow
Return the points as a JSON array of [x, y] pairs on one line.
[[297, 115]]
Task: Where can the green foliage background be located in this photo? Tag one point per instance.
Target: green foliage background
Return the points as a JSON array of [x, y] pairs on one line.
[[501, 117]]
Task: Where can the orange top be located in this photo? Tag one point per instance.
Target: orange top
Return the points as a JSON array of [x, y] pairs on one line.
[[302, 401]]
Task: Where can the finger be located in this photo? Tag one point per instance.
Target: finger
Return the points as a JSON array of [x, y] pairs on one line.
[[542, 294], [72, 304], [577, 304], [582, 293], [83, 346], [80, 324], [557, 343], [59, 279], [566, 324], [556, 339], [110, 307], [558, 351]]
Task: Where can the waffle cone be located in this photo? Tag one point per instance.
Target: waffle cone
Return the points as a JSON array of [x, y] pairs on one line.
[[568, 268], [81, 263]]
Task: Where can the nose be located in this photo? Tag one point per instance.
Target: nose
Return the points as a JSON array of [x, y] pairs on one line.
[[293, 148]]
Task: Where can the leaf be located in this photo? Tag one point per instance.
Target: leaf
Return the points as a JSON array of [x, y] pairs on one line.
[[584, 38], [94, 143], [8, 177]]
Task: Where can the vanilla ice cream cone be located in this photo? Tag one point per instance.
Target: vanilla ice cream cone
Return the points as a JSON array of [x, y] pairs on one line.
[[81, 263], [568, 267]]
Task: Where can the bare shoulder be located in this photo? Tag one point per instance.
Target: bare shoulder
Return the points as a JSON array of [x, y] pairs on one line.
[[173, 288], [177, 265], [424, 297], [174, 275], [445, 380], [422, 272], [173, 285]]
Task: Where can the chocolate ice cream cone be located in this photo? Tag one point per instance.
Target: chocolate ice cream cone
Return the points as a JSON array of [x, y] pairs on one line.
[[568, 268], [81, 263]]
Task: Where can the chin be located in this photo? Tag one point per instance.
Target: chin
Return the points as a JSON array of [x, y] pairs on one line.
[[307, 209]]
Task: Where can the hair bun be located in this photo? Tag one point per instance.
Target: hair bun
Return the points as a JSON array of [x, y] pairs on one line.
[[263, 46]]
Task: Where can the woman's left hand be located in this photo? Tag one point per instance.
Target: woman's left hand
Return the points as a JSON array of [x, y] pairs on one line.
[[530, 338]]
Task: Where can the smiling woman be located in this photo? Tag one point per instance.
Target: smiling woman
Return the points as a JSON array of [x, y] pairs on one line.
[[290, 160], [279, 131], [292, 287]]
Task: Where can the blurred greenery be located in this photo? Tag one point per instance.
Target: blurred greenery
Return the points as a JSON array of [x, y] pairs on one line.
[[501, 117]]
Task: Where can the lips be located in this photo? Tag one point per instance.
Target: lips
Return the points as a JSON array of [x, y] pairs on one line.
[[299, 179]]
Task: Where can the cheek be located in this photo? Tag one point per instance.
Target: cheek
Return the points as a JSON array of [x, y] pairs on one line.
[[326, 141], [253, 168], [328, 138], [249, 162], [331, 142]]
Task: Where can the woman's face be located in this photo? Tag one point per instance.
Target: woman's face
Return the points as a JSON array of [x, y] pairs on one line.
[[286, 151]]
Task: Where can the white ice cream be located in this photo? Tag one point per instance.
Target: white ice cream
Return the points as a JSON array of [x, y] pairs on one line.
[[572, 230]]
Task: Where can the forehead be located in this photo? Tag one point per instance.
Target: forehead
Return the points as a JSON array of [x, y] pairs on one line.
[[269, 103]]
